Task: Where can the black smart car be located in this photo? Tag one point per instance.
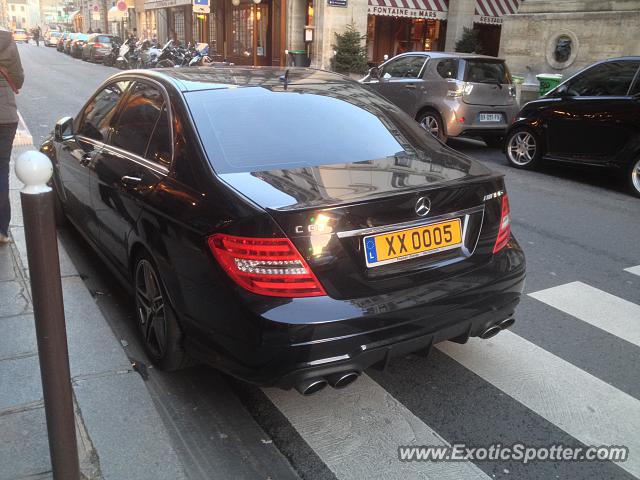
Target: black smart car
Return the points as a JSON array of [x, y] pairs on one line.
[[290, 228], [593, 118]]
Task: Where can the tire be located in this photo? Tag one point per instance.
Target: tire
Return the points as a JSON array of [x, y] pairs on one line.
[[493, 141], [523, 149], [634, 177], [166, 63], [431, 121], [157, 322]]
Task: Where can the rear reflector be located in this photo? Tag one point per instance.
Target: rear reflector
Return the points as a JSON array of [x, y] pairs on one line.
[[505, 226], [266, 266]]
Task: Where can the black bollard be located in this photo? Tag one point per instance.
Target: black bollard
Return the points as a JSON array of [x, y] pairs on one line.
[[34, 170]]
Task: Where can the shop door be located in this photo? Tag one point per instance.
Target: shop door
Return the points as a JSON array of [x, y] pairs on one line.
[[248, 31]]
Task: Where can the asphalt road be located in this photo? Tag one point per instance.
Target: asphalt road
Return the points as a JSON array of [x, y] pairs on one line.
[[566, 373]]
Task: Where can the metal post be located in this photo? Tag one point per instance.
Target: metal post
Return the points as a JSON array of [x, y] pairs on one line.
[[34, 170]]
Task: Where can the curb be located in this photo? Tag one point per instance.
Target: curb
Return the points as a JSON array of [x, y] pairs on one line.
[[117, 422]]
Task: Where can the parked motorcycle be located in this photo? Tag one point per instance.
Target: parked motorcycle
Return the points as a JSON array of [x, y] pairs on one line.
[[110, 58], [127, 55]]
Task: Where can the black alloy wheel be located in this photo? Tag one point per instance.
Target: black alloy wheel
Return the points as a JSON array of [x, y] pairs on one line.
[[161, 334]]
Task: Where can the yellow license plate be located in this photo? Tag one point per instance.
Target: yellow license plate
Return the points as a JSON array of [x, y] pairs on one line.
[[413, 242]]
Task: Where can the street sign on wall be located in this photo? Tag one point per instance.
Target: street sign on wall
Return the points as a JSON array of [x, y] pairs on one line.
[[201, 6], [337, 3]]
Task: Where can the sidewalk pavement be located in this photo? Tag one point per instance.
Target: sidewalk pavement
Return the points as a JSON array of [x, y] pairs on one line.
[[120, 434]]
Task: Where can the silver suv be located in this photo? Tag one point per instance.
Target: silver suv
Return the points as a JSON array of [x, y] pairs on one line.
[[450, 94]]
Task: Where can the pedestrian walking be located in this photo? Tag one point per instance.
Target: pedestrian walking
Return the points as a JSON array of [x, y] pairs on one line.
[[11, 79], [36, 35]]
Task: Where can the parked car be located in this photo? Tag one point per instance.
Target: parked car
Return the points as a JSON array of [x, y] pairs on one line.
[[77, 44], [68, 42], [51, 38], [98, 45], [291, 228], [62, 41], [20, 35], [450, 94], [591, 119]]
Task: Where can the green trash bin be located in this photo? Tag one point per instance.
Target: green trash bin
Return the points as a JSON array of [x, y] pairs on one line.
[[299, 58], [548, 81]]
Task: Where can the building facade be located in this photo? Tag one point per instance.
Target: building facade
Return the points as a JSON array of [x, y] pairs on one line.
[[563, 37]]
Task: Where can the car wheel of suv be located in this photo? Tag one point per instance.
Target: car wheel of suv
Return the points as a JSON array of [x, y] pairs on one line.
[[634, 177], [161, 334], [523, 149], [431, 121]]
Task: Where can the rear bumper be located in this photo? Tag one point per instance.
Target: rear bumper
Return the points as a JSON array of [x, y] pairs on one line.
[[464, 120], [314, 337]]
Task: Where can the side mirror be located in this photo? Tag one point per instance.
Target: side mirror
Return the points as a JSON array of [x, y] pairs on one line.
[[63, 129], [374, 73]]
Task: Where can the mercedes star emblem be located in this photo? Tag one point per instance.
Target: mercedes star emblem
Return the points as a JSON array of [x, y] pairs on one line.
[[423, 205]]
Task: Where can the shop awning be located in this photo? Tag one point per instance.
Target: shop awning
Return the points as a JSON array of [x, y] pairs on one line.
[[434, 9], [115, 15], [491, 11]]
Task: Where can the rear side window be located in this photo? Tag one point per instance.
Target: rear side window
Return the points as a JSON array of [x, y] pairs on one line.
[[138, 118], [103, 39], [486, 71], [448, 68], [404, 67], [606, 79], [159, 148]]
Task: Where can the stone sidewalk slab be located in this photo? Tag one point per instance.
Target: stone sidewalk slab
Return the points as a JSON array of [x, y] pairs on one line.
[[120, 433]]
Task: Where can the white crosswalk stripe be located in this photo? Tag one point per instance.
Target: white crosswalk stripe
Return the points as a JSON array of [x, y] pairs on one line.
[[635, 270], [357, 431], [600, 309], [590, 410]]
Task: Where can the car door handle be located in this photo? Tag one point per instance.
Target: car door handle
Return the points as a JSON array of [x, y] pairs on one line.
[[131, 181], [411, 86], [85, 160]]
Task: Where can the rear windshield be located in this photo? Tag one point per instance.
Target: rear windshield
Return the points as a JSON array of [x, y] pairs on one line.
[[486, 71], [82, 36], [55, 34], [103, 39], [256, 129]]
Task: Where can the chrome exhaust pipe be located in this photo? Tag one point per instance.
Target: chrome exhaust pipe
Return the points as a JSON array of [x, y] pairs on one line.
[[311, 385], [490, 332], [342, 379], [506, 323]]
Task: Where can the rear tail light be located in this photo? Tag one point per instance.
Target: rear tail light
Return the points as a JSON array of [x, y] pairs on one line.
[[505, 226], [98, 45], [266, 266]]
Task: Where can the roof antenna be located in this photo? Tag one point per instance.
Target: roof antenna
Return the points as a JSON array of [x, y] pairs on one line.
[[285, 78]]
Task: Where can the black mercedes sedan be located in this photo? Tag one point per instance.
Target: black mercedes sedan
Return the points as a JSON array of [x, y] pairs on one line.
[[592, 119], [289, 227]]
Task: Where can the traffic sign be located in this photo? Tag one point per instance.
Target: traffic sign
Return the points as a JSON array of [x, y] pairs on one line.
[[122, 6], [201, 6]]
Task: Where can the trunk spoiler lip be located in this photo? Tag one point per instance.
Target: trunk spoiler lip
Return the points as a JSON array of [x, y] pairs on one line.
[[464, 181]]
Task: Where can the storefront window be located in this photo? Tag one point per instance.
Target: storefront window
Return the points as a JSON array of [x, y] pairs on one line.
[[247, 19], [394, 35]]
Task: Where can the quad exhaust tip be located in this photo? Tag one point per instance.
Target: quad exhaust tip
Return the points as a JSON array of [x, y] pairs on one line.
[[311, 386], [495, 329], [336, 380], [342, 379]]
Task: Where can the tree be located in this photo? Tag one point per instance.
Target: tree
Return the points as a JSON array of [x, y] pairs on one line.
[[469, 42], [351, 56]]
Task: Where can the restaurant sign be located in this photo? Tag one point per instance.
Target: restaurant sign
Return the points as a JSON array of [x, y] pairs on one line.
[[406, 12]]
